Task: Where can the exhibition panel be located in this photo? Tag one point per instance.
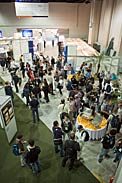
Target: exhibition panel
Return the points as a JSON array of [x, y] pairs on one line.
[[7, 117]]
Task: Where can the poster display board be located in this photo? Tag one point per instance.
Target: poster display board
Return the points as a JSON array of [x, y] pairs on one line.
[[27, 57], [7, 118], [8, 113], [20, 46]]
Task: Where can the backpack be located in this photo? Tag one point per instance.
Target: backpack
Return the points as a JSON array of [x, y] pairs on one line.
[[87, 135], [108, 88], [108, 142], [114, 121], [15, 149], [70, 151]]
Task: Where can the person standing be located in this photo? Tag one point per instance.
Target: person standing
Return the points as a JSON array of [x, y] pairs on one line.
[[70, 148], [23, 69], [26, 93], [32, 156], [34, 104], [50, 82], [3, 62], [9, 91], [45, 89], [52, 62], [118, 151], [120, 117], [57, 133], [80, 138], [60, 85], [16, 81], [108, 142], [20, 142], [66, 126]]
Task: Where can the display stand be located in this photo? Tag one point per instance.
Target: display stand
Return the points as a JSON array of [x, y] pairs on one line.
[[27, 57], [7, 118]]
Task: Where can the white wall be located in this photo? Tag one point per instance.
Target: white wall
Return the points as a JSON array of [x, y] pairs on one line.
[[61, 15], [111, 23], [116, 24]]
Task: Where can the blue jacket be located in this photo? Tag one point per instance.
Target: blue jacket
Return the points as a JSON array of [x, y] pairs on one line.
[[57, 132]]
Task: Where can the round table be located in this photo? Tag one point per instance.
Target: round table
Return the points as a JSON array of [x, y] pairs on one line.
[[95, 132]]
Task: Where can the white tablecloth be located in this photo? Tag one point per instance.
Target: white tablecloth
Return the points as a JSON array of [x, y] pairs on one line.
[[94, 134]]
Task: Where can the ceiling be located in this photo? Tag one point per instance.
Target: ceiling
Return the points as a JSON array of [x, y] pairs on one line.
[[65, 1]]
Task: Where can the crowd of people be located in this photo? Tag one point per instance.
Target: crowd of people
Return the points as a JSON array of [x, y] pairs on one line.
[[51, 77]]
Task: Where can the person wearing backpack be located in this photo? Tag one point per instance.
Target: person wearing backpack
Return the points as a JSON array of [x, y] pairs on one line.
[[70, 151], [113, 120], [32, 156], [108, 142], [57, 138], [9, 90], [21, 151], [81, 137]]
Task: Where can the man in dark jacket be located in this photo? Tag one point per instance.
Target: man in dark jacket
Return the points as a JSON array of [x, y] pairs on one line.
[[16, 81], [9, 91], [57, 132], [26, 93], [108, 142], [2, 63], [32, 156], [34, 107], [70, 147]]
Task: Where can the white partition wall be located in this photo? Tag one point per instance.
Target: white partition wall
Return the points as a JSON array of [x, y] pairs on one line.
[[20, 46]]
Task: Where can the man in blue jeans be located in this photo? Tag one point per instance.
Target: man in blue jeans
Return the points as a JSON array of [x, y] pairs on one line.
[[57, 132], [32, 157], [34, 107], [108, 142]]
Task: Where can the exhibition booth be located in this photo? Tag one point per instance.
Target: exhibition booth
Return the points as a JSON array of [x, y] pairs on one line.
[[28, 42], [7, 117]]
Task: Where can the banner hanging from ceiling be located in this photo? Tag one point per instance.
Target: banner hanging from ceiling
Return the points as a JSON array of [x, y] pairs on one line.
[[31, 8]]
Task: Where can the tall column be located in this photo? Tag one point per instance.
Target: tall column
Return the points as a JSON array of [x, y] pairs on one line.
[[105, 22], [94, 21], [91, 23], [116, 25]]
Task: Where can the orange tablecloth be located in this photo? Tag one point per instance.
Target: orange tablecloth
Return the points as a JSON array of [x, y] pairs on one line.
[[87, 124]]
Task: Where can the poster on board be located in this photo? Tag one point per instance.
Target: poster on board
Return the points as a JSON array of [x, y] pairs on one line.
[[7, 112], [7, 117], [27, 57]]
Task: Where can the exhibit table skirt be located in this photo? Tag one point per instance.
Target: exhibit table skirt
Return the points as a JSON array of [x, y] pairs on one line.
[[95, 132]]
